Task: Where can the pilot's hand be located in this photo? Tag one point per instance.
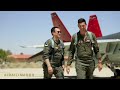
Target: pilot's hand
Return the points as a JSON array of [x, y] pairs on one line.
[[100, 66], [50, 70], [68, 69], [63, 67]]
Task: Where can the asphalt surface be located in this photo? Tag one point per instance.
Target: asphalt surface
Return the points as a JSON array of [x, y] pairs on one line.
[[28, 73], [37, 73]]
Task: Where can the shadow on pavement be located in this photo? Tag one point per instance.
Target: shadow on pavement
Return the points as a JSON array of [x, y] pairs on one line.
[[70, 77]]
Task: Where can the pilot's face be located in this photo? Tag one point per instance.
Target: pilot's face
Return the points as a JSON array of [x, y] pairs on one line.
[[82, 26], [57, 33]]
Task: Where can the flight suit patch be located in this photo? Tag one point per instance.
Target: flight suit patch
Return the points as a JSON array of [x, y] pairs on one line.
[[56, 47], [80, 42], [87, 40], [46, 45]]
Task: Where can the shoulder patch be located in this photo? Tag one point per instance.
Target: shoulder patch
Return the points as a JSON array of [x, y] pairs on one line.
[[46, 45]]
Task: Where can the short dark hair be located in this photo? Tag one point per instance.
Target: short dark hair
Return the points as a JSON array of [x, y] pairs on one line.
[[53, 29], [81, 20]]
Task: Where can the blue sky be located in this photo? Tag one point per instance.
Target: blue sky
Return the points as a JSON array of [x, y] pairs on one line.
[[19, 28]]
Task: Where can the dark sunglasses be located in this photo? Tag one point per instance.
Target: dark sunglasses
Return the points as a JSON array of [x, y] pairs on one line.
[[58, 31]]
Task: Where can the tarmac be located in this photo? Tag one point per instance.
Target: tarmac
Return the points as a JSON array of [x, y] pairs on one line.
[[27, 73], [37, 73]]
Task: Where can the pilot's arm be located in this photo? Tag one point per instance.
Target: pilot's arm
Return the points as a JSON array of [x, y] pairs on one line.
[[71, 55], [96, 48], [97, 53], [46, 51], [71, 51]]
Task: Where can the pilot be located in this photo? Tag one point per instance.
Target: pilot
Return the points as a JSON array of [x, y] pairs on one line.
[[53, 56], [81, 49]]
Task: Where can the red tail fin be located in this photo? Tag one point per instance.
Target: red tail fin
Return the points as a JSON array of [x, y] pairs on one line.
[[65, 35], [93, 26]]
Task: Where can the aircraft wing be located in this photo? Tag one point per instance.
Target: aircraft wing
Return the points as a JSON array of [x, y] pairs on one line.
[[108, 40], [34, 46], [68, 43], [99, 41]]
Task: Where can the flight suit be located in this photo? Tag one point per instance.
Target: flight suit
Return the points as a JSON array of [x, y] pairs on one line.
[[82, 52], [56, 58]]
